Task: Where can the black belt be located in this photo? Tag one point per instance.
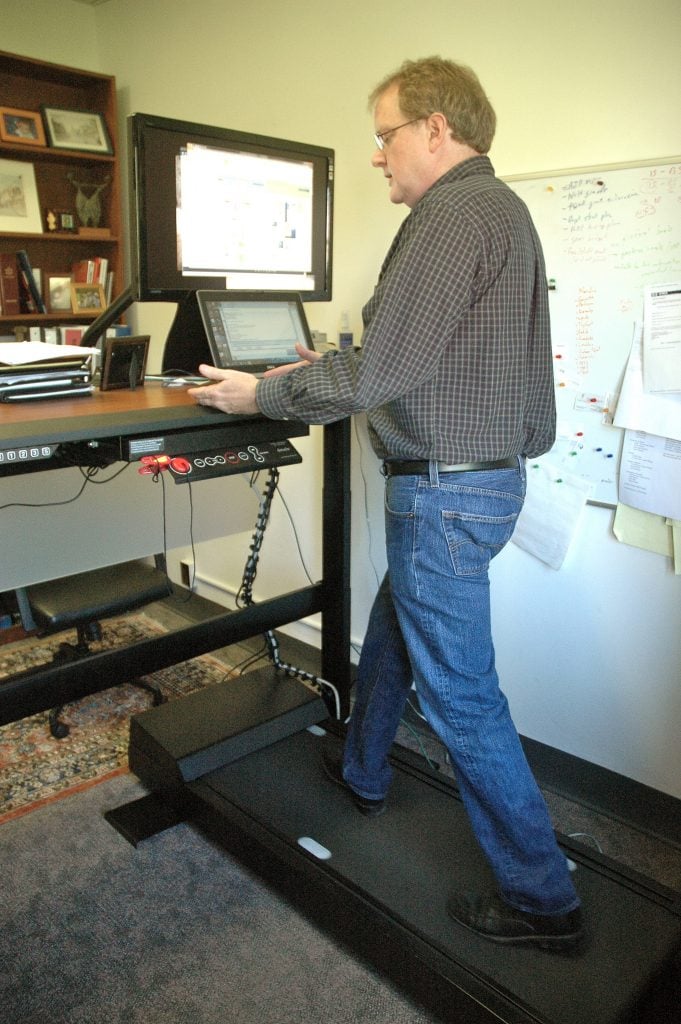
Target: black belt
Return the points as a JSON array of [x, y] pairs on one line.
[[402, 467]]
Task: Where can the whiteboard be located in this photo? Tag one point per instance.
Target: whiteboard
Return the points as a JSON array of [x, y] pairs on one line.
[[607, 232]]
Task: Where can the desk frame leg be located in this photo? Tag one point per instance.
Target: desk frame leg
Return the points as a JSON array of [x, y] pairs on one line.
[[336, 510]]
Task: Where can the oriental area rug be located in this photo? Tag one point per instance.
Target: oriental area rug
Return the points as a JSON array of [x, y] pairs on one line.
[[36, 768]]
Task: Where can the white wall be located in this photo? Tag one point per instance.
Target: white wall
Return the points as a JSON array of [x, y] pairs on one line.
[[590, 655]]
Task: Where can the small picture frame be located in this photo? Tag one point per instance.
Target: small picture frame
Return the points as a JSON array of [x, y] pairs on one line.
[[87, 298], [66, 221], [58, 293], [25, 127], [80, 130], [125, 362]]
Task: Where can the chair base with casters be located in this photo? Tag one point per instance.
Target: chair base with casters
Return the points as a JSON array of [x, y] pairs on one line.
[[80, 602]]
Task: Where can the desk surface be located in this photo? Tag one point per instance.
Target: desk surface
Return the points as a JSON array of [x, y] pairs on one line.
[[105, 414]]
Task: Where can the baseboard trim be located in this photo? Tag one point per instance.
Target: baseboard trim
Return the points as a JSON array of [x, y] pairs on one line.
[[606, 792]]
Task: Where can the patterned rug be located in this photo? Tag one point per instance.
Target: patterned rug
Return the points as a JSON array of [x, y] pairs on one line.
[[35, 768]]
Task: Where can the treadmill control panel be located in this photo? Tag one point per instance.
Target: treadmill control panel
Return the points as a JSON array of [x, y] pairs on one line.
[[244, 458]]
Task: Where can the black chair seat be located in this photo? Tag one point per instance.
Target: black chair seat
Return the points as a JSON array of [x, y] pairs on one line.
[[81, 600], [98, 594]]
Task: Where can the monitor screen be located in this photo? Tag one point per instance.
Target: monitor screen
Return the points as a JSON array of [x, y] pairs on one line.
[[214, 208], [253, 331]]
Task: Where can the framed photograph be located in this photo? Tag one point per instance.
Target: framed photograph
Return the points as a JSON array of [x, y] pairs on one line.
[[125, 362], [58, 293], [87, 298], [19, 207], [66, 221], [76, 129], [22, 126]]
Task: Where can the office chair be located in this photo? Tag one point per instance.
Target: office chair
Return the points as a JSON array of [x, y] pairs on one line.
[[80, 602]]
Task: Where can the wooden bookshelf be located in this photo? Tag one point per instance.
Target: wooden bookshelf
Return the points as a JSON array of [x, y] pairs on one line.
[[28, 84]]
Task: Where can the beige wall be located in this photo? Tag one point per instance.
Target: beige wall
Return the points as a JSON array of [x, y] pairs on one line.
[[573, 85]]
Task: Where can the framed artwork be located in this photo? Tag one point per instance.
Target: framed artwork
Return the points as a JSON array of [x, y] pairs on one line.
[[87, 298], [125, 362], [19, 208], [58, 293], [76, 129], [22, 126]]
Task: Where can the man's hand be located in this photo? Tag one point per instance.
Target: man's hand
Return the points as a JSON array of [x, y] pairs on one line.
[[307, 357], [232, 392]]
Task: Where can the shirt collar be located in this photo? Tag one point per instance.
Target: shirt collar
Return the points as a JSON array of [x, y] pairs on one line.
[[474, 166]]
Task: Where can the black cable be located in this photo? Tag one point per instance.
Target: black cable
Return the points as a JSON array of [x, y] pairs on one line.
[[158, 475], [89, 473], [244, 595], [296, 537]]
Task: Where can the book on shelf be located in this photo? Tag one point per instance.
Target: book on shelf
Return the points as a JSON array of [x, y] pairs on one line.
[[82, 272], [33, 298], [69, 334], [90, 271], [9, 284], [72, 335]]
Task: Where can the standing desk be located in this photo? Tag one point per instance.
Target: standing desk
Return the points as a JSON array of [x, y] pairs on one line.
[[112, 426]]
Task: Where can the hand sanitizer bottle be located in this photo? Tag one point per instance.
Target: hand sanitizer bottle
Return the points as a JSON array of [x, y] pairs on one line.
[[344, 334]]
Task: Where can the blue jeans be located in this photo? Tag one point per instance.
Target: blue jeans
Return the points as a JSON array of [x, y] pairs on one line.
[[430, 624]]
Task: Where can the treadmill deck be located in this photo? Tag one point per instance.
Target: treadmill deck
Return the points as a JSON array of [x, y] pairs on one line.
[[381, 884]]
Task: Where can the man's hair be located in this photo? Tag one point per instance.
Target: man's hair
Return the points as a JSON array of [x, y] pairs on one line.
[[433, 85]]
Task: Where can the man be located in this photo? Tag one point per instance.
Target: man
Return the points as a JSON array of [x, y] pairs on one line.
[[455, 374]]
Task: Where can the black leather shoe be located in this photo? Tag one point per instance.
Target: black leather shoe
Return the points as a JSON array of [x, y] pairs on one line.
[[333, 766], [496, 920]]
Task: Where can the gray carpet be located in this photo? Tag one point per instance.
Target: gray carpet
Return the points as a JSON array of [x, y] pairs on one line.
[[94, 931]]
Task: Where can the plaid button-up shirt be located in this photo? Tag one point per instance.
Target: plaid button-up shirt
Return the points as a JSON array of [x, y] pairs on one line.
[[456, 360]]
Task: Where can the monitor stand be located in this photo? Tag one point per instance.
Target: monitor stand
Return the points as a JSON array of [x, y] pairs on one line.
[[242, 762], [186, 345]]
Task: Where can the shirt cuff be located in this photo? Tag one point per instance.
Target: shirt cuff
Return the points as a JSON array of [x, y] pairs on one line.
[[270, 396]]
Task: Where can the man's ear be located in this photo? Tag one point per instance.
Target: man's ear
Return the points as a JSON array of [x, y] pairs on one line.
[[437, 127]]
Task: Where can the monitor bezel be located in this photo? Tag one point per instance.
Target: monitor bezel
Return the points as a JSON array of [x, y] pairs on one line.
[[149, 230]]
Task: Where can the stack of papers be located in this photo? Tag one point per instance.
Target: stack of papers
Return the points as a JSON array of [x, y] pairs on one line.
[[31, 370]]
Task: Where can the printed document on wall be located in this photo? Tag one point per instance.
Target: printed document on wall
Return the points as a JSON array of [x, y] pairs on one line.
[[637, 410], [650, 473], [662, 338]]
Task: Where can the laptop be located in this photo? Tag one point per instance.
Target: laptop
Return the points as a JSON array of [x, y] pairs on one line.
[[253, 331], [24, 387]]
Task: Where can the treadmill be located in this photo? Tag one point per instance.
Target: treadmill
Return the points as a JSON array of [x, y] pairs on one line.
[[242, 762]]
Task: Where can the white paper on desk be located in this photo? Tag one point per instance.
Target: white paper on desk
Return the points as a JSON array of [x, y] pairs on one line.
[[662, 338], [650, 473], [636, 410], [551, 513], [17, 353]]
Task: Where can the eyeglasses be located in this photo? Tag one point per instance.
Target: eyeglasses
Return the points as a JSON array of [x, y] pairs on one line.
[[380, 137]]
